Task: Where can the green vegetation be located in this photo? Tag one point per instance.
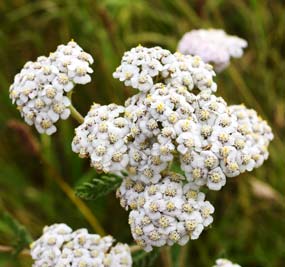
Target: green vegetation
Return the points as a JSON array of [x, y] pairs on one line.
[[38, 172]]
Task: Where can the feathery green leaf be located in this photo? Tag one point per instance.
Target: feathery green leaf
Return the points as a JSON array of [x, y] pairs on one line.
[[99, 186], [145, 259], [22, 237]]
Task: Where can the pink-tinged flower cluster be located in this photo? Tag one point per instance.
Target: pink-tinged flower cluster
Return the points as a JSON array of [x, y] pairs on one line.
[[213, 46]]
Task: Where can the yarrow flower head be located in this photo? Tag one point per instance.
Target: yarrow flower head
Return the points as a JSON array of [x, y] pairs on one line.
[[40, 89], [211, 140], [213, 46], [142, 67], [225, 263], [102, 138], [59, 246], [255, 133], [173, 122], [165, 213]]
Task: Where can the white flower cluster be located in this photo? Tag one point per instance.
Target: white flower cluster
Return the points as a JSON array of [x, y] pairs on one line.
[[256, 134], [102, 138], [165, 125], [213, 46], [60, 247], [210, 139], [225, 263], [39, 90], [142, 67], [165, 213]]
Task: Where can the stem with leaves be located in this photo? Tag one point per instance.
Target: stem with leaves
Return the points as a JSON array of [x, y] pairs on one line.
[[85, 211], [53, 173]]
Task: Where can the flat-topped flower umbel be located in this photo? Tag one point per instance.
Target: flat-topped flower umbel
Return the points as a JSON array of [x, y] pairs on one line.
[[40, 89], [59, 246], [165, 213], [213, 46], [142, 67], [172, 139], [173, 122]]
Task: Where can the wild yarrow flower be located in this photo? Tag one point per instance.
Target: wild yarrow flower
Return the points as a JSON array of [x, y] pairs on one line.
[[213, 46], [174, 120], [40, 89], [59, 246], [171, 140], [165, 213], [142, 67]]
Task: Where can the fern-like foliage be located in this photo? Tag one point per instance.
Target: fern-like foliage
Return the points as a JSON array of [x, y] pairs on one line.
[[145, 259], [21, 237], [99, 186]]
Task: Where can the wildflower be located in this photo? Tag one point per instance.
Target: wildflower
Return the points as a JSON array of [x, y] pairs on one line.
[[254, 136], [142, 67], [101, 137], [211, 140], [60, 246], [213, 46], [39, 90], [162, 214]]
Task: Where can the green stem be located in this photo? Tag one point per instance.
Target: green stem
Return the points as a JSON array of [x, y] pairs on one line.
[[46, 158], [8, 249], [74, 112], [166, 256], [135, 248], [183, 256], [85, 211]]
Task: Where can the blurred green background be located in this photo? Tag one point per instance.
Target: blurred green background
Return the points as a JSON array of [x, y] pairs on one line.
[[249, 225]]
